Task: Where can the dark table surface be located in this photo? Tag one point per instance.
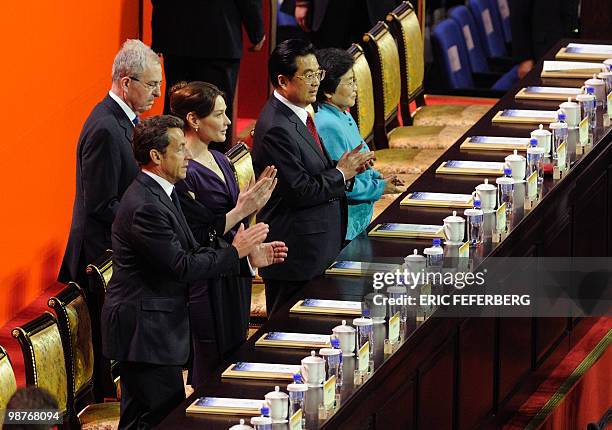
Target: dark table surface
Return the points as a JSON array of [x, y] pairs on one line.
[[383, 249]]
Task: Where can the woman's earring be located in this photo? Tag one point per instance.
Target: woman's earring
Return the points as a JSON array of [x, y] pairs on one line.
[[196, 129]]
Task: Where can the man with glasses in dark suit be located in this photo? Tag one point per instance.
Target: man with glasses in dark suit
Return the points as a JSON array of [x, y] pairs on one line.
[[307, 209]]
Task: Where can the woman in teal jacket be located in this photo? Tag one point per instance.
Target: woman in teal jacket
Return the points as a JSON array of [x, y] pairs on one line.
[[339, 134]]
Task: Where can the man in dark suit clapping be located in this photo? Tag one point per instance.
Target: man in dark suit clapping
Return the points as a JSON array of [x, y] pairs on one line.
[[145, 322], [307, 209]]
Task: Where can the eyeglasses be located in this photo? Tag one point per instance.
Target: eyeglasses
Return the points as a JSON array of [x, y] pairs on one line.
[[312, 77], [350, 83], [151, 86]]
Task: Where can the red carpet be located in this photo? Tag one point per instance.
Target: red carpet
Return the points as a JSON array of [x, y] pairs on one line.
[[598, 394]]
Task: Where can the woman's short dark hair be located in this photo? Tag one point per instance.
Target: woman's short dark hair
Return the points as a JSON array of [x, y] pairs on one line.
[[197, 97], [336, 62], [282, 59], [152, 133]]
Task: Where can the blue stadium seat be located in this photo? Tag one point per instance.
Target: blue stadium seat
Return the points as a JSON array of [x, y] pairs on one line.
[[491, 34], [478, 60], [502, 9], [451, 53]]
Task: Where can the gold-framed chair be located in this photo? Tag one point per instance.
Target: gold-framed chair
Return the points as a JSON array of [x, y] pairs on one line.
[[8, 384], [403, 24], [382, 54], [106, 371], [75, 329], [242, 163], [43, 356]]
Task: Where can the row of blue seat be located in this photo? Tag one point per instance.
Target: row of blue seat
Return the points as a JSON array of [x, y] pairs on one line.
[[466, 43]]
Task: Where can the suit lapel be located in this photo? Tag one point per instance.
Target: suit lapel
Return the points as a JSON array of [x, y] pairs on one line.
[[166, 201], [303, 131], [120, 115]]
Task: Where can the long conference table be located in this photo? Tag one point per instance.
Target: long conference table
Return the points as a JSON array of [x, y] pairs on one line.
[[449, 373]]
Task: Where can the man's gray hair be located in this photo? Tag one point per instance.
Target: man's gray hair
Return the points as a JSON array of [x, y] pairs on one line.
[[132, 59]]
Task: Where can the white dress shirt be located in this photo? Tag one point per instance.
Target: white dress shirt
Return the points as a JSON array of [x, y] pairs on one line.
[[128, 111], [302, 115]]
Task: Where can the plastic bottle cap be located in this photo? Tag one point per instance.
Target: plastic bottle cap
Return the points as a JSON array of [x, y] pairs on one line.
[[533, 142], [297, 378], [436, 242], [335, 343], [561, 116], [507, 171], [265, 411], [476, 204], [366, 313], [590, 90]]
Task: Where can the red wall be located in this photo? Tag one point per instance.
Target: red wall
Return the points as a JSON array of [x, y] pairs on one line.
[[57, 58]]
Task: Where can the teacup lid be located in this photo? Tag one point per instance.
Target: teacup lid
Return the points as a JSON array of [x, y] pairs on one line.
[[585, 97], [594, 80], [605, 75], [415, 257], [276, 394], [515, 157], [362, 322], [608, 62], [557, 125], [329, 351], [343, 328], [259, 421], [434, 250], [312, 358], [568, 104], [397, 289], [293, 387], [540, 131], [504, 180], [241, 426], [485, 186], [453, 218], [473, 212], [535, 150]]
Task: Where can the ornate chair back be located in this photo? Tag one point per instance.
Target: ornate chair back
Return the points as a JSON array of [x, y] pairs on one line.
[[75, 328], [43, 356]]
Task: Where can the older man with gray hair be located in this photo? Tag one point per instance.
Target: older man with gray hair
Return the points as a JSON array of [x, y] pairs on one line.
[[105, 164]]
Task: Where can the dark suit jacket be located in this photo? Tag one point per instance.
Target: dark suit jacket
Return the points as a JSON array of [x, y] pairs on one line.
[[105, 167], [307, 209], [205, 28], [538, 24], [377, 10], [155, 257]]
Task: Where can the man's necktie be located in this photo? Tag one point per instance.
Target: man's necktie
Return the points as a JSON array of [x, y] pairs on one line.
[[135, 121], [175, 200], [313, 131]]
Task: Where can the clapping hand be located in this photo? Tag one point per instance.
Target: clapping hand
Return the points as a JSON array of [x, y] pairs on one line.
[[268, 253], [353, 162], [257, 194], [246, 240]]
